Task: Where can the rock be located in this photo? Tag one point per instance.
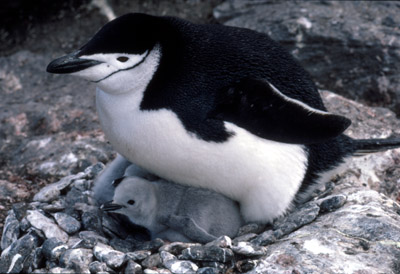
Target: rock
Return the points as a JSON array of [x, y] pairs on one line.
[[125, 245], [19, 210], [52, 249], [152, 245], [175, 265], [331, 50], [111, 224], [92, 171], [91, 220], [49, 228], [11, 231], [265, 238], [222, 241], [305, 215], [105, 253], [92, 237], [55, 206], [207, 253], [138, 255], [67, 223], [133, 268], [52, 191], [248, 249], [60, 270], [78, 259], [153, 261], [244, 238], [246, 265], [208, 270], [332, 203], [176, 248], [99, 267], [215, 266], [157, 271]]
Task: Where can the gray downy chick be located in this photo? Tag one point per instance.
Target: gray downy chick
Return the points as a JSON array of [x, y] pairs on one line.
[[174, 212]]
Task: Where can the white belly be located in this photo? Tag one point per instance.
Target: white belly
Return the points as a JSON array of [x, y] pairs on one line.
[[262, 175]]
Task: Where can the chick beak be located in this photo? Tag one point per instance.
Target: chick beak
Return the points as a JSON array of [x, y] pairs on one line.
[[110, 206], [70, 63]]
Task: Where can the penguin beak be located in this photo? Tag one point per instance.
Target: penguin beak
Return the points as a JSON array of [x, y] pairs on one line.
[[109, 206], [70, 63]]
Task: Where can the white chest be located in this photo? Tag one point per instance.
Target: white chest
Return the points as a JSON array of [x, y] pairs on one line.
[[262, 175]]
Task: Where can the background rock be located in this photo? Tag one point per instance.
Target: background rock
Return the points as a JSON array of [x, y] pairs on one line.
[[349, 47]]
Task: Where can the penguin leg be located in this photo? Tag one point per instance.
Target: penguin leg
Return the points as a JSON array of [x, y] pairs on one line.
[[189, 228], [103, 188]]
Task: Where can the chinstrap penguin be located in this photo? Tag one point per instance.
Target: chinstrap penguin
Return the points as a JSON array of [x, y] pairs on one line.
[[175, 212], [216, 107]]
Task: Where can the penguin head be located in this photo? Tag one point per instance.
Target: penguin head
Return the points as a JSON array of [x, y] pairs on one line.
[[135, 198], [122, 55]]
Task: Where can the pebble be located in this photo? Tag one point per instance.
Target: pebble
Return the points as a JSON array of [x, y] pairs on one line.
[[11, 230], [92, 236], [52, 248], [77, 259], [332, 203], [133, 268], [176, 248], [97, 267], [67, 223], [49, 228], [177, 266], [251, 228], [153, 261], [248, 249], [208, 253], [222, 241], [91, 220], [105, 253], [138, 255], [265, 238]]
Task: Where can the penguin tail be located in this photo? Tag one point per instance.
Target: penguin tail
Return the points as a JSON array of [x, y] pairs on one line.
[[366, 146]]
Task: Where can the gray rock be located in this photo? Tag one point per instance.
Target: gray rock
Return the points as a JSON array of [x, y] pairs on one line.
[[52, 248], [24, 225], [133, 268], [332, 203], [305, 215], [331, 50], [208, 270], [111, 224], [175, 265], [11, 231], [244, 238], [125, 245], [248, 249], [222, 241], [265, 238], [207, 253], [49, 228], [157, 271], [78, 259], [99, 267], [215, 266], [92, 171], [246, 265], [152, 245], [60, 270], [138, 255], [105, 253], [19, 210], [91, 220], [251, 228], [176, 248], [153, 261], [38, 260], [67, 223], [52, 191], [92, 236], [55, 206]]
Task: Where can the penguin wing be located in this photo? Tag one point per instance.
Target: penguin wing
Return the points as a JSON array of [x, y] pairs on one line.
[[259, 107]]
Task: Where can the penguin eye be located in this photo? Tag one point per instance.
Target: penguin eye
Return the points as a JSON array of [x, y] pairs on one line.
[[131, 202], [122, 59]]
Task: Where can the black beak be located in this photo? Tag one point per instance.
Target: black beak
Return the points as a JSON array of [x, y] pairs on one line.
[[70, 63], [109, 206]]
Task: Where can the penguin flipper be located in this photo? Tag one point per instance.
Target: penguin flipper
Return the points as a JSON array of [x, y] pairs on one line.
[[257, 106]]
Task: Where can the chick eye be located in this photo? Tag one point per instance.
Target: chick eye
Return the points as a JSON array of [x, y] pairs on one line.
[[122, 59], [131, 202]]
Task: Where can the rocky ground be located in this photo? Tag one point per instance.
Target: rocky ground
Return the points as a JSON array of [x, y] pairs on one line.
[[49, 130]]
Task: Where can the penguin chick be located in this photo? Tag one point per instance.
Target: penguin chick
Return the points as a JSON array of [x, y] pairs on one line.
[[215, 107], [175, 212]]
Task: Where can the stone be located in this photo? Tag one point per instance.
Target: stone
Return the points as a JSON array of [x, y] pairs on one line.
[[331, 50], [133, 268], [248, 249], [305, 215], [49, 228], [208, 270], [19, 210], [246, 265], [114, 226], [244, 238], [216, 266], [99, 267], [222, 241], [78, 259], [152, 245], [105, 253], [92, 236], [55, 206], [24, 225], [11, 230], [332, 203], [123, 245], [153, 261], [91, 220], [60, 270], [67, 223], [138, 255], [52, 248], [157, 271], [176, 248], [52, 191], [207, 253], [265, 238], [92, 171]]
